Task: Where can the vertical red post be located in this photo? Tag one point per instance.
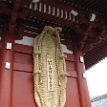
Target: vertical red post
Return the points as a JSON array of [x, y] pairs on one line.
[[6, 73], [82, 83]]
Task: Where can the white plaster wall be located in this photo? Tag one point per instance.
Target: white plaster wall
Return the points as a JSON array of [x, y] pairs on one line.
[[29, 42]]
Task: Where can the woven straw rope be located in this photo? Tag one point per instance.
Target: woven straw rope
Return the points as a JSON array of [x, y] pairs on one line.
[[47, 46]]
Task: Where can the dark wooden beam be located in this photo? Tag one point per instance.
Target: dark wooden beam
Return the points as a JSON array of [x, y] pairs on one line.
[[86, 35], [4, 9], [97, 40], [14, 15], [46, 17]]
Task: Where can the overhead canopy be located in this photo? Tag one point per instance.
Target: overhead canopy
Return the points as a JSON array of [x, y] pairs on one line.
[[85, 20], [99, 7], [96, 6]]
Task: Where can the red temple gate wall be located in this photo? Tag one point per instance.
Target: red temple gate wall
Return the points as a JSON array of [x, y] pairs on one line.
[[21, 83]]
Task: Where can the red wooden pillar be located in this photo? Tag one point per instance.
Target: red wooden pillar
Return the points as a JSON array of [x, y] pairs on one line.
[[6, 73], [82, 83]]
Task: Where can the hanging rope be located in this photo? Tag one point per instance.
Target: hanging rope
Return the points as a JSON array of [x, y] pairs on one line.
[[49, 69]]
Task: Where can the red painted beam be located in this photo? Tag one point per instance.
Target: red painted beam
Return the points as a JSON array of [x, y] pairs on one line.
[[6, 83], [6, 74], [82, 84]]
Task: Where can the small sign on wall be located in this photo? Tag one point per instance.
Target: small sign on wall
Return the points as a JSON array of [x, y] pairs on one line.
[[81, 59], [7, 65], [9, 46]]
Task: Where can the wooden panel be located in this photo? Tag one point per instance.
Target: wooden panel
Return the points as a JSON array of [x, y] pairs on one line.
[[70, 57], [23, 58], [23, 67], [23, 49], [70, 66], [23, 90], [72, 74], [72, 93]]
